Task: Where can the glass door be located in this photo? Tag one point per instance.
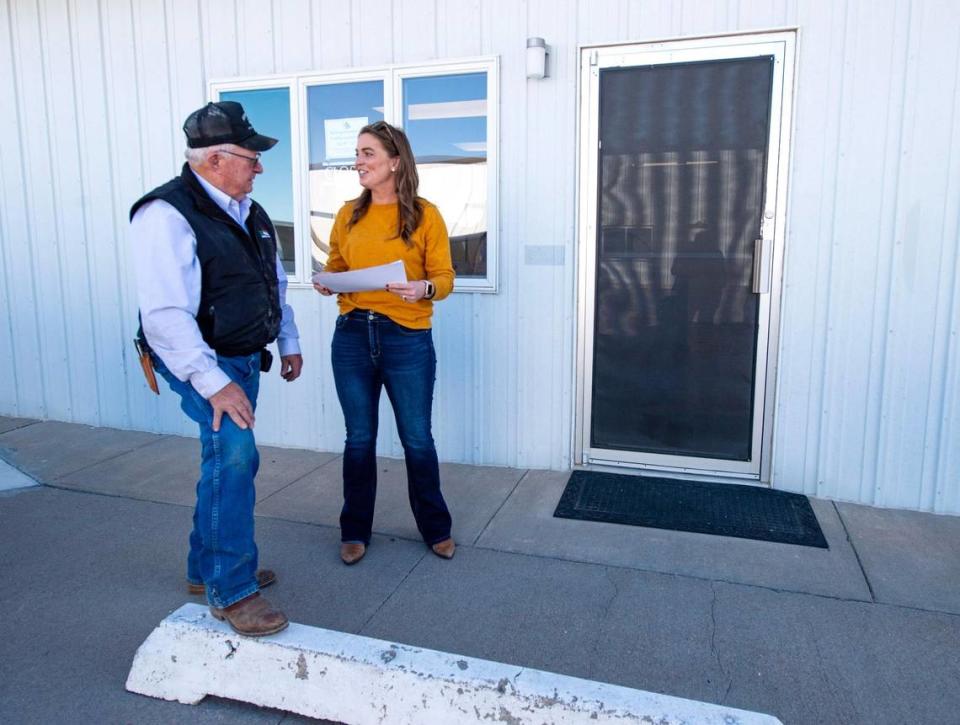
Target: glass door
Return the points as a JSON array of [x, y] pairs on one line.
[[684, 150]]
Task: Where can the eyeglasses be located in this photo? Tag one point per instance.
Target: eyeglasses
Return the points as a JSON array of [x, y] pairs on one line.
[[254, 160]]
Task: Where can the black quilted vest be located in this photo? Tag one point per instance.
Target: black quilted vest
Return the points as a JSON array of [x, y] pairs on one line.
[[239, 296]]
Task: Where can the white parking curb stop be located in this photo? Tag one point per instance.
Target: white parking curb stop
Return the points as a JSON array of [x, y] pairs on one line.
[[348, 678]]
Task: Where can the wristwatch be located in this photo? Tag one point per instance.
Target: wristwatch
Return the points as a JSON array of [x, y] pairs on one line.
[[428, 290]]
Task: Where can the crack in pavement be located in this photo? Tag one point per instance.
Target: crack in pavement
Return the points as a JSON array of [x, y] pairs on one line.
[[713, 642], [605, 610]]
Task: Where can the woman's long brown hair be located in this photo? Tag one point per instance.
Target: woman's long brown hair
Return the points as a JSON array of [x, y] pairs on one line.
[[410, 209]]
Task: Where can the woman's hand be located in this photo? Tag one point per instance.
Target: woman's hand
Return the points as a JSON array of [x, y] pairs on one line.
[[322, 290], [408, 291]]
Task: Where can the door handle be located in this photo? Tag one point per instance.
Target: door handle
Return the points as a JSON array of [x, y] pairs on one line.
[[761, 266]]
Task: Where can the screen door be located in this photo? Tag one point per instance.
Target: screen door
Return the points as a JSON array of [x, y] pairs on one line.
[[684, 173]]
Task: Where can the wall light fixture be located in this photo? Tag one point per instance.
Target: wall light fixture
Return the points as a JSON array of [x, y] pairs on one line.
[[537, 53]]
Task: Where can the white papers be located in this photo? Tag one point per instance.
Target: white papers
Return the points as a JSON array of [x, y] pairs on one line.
[[340, 136], [362, 280]]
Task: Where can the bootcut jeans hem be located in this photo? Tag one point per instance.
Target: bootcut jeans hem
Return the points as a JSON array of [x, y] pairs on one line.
[[222, 602]]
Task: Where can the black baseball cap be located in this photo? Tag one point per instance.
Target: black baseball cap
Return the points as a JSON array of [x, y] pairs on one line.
[[223, 122]]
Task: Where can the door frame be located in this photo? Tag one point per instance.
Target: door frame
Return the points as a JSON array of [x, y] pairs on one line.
[[781, 43]]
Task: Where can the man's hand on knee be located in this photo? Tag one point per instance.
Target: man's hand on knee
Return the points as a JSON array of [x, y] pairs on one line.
[[234, 402]]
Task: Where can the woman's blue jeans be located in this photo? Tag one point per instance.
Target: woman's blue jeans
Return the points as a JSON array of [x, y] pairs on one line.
[[223, 554], [371, 352]]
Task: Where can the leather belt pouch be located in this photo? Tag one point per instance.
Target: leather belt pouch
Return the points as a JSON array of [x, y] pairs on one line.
[[147, 364]]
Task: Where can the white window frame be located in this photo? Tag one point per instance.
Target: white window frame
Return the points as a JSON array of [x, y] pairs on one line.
[[392, 77]]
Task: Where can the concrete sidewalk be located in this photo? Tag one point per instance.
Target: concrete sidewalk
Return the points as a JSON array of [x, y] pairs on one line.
[[865, 632]]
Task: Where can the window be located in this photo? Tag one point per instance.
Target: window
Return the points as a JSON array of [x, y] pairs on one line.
[[445, 118], [335, 114], [269, 111], [448, 112]]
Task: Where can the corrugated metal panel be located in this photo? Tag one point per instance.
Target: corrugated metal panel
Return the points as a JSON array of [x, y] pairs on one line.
[[924, 283], [18, 298], [869, 332], [868, 405]]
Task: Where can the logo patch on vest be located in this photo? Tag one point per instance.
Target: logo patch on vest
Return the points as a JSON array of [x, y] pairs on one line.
[[264, 234]]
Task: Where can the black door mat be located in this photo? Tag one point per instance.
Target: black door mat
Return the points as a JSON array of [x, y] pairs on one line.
[[723, 509]]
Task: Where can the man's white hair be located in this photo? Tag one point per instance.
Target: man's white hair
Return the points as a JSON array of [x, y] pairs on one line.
[[197, 157]]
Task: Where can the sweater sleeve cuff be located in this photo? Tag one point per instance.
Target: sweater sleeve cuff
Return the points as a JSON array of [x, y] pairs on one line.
[[210, 382]]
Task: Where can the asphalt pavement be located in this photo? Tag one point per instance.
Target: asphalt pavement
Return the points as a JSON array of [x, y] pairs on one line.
[[93, 532]]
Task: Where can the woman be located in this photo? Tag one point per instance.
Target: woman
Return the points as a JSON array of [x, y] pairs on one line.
[[383, 337]]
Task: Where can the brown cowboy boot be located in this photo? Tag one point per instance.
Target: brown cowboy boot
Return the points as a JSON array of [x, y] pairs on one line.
[[253, 616]]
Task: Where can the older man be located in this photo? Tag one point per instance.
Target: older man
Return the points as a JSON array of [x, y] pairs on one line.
[[212, 296]]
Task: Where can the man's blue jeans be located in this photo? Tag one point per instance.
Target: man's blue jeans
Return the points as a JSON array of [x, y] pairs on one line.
[[223, 554], [371, 352]]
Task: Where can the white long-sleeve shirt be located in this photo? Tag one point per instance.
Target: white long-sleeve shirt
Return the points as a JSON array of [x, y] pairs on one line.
[[168, 284]]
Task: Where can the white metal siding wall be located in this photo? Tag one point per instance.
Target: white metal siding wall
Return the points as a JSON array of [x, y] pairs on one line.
[[869, 403], [869, 395]]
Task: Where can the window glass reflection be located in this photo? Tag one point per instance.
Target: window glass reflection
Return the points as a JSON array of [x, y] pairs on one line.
[[336, 113], [269, 111], [445, 118]]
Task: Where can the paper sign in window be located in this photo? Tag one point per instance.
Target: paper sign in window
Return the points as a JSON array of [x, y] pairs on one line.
[[340, 136]]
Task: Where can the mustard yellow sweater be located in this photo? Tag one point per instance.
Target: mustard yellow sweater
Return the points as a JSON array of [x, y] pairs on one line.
[[373, 240]]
